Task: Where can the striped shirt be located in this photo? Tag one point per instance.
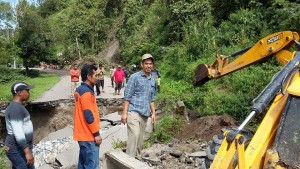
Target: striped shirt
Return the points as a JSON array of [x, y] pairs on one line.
[[19, 126], [140, 92]]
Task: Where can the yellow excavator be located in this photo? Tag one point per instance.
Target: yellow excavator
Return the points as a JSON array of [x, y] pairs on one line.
[[276, 142]]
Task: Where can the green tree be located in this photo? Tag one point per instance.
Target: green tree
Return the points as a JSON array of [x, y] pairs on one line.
[[286, 16], [8, 51], [32, 38], [7, 20]]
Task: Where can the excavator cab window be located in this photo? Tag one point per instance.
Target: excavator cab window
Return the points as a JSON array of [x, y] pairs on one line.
[[287, 141]]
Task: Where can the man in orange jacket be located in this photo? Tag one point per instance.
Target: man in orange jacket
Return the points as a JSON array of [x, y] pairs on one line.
[[74, 73], [86, 120]]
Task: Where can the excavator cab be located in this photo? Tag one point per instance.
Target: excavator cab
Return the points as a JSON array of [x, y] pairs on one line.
[[287, 142]]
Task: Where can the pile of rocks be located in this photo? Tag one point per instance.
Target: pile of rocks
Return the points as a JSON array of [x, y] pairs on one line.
[[46, 152], [188, 154]]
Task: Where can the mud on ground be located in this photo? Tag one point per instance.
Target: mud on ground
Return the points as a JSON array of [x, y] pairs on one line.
[[205, 128]]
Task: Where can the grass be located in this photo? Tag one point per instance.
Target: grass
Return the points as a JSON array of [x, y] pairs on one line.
[[165, 129], [42, 83], [119, 144], [3, 159]]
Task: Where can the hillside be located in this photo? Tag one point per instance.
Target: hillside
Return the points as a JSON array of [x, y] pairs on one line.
[[180, 34]]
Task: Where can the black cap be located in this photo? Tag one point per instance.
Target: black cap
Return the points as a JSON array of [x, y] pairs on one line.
[[19, 86]]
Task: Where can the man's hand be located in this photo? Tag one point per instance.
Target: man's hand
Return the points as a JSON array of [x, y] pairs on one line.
[[29, 156], [153, 118], [124, 117], [98, 140]]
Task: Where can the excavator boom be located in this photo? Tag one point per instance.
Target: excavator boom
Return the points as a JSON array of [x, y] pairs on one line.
[[263, 49]]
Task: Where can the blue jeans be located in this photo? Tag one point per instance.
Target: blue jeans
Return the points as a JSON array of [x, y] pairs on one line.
[[17, 157], [88, 155]]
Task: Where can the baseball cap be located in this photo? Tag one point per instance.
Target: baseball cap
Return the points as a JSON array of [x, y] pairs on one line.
[[147, 56], [119, 66], [19, 86]]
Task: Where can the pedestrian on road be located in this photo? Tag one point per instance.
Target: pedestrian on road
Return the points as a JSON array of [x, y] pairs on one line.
[[86, 120], [133, 69], [100, 79], [139, 105], [18, 142], [111, 73], [156, 75], [126, 72], [118, 77], [74, 73]]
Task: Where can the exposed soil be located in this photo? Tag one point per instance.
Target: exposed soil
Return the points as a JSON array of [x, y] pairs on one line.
[[188, 149], [205, 128], [50, 120]]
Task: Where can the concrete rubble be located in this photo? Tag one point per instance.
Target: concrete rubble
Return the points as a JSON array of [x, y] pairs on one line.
[[58, 150], [180, 154]]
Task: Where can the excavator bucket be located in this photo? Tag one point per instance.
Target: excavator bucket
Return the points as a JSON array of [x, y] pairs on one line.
[[201, 75]]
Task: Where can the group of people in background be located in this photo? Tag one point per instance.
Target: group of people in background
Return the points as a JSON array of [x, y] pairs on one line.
[[119, 77], [140, 91], [100, 79]]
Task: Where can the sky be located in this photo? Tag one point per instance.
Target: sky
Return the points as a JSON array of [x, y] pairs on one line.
[[13, 3]]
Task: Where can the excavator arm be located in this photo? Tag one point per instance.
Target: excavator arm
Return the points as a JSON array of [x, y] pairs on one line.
[[268, 148], [277, 44]]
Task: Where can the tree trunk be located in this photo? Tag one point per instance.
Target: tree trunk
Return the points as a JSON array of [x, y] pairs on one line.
[[78, 49], [27, 70]]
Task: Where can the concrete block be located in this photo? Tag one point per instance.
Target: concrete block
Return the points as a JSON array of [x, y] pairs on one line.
[[114, 134], [180, 104], [69, 157], [113, 116], [198, 154], [180, 108], [118, 159], [59, 134], [45, 166]]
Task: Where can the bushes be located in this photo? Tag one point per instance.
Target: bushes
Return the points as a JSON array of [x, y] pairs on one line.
[[167, 127], [14, 75], [32, 73]]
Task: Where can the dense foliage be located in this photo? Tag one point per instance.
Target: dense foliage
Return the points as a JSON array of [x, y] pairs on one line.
[[179, 33]]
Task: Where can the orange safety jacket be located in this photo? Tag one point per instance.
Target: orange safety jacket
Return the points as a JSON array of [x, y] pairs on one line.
[[86, 115]]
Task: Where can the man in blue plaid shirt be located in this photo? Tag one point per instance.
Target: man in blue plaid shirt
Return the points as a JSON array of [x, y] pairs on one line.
[[139, 105]]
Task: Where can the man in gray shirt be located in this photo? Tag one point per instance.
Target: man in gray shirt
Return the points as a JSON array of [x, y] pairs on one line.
[[18, 142]]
